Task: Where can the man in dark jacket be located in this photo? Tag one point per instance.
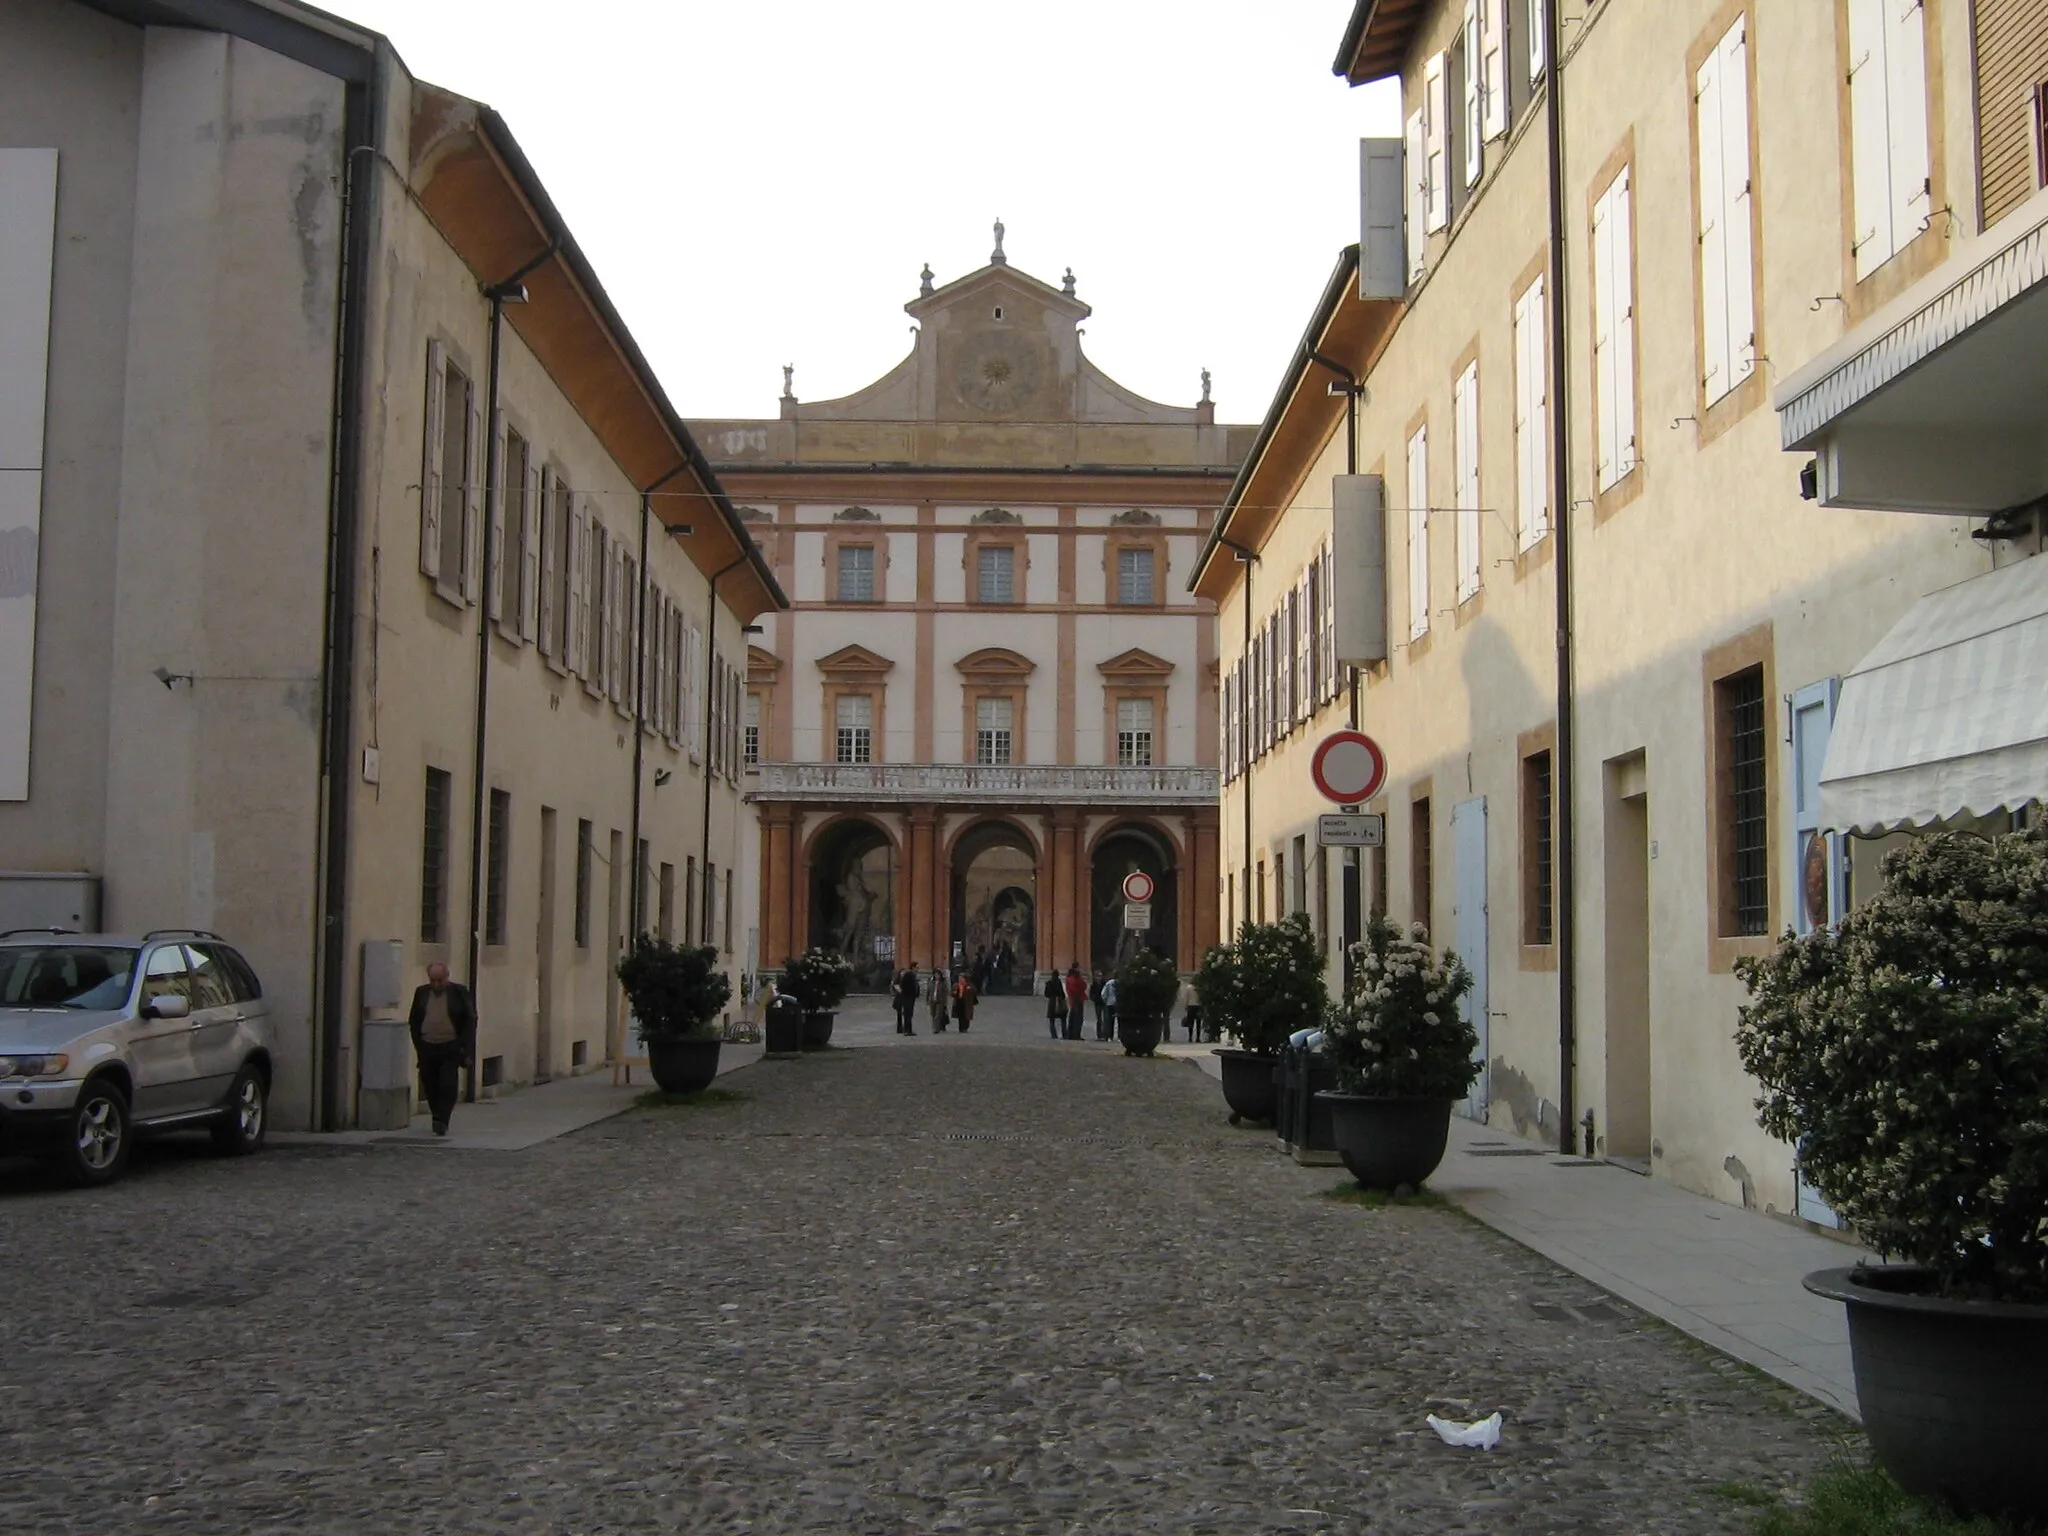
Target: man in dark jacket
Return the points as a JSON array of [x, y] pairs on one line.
[[908, 989], [443, 1024]]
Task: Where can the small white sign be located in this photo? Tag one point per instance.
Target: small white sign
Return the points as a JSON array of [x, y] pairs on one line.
[[1342, 831], [1138, 914]]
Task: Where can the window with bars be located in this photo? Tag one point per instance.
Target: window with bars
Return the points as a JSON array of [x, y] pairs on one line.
[[1422, 866], [854, 722], [458, 420], [856, 573], [1134, 733], [585, 854], [996, 573], [498, 851], [667, 904], [1744, 808], [434, 858], [750, 740], [1134, 576], [993, 722], [1538, 887]]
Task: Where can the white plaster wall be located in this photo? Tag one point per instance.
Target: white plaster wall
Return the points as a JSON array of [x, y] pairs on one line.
[[949, 567], [810, 566]]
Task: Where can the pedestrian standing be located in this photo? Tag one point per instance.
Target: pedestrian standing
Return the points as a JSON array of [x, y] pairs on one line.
[[965, 994], [443, 1022], [1095, 997], [1077, 999], [935, 999], [1105, 1021], [908, 990], [1055, 1004]]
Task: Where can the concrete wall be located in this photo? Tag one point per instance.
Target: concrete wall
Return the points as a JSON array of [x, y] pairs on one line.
[[1707, 543]]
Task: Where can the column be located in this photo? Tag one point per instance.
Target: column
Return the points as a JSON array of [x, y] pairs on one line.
[[921, 934]]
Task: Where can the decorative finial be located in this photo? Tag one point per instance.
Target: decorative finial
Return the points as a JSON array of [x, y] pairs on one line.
[[1067, 283], [788, 376], [924, 281], [1205, 386], [996, 257]]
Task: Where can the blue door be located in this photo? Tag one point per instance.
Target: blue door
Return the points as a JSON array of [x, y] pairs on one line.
[[1468, 924], [1818, 894]]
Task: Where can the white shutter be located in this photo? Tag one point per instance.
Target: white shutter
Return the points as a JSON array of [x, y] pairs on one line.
[[692, 682], [1869, 137], [1329, 640], [1604, 442], [1539, 39], [575, 647], [550, 527], [1418, 534], [1417, 167], [494, 584], [1493, 71], [1621, 231], [430, 467], [1735, 180], [1474, 130], [529, 553], [473, 501], [1465, 450], [1532, 418], [1435, 125], [1713, 237], [1905, 67]]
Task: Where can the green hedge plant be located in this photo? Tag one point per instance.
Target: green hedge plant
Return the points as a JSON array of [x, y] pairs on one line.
[[1399, 1034], [675, 990], [1266, 985], [818, 978], [1905, 1052]]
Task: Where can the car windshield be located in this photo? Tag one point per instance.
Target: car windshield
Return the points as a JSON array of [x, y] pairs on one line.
[[83, 976]]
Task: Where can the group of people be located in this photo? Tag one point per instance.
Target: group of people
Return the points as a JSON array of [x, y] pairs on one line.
[[1067, 998], [942, 998]]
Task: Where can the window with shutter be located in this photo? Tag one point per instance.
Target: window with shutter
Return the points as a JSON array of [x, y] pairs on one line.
[[495, 605], [1727, 285], [1539, 39], [1472, 123], [1532, 418], [1493, 66], [1134, 733], [529, 546], [1330, 671], [992, 727], [1435, 127], [433, 447], [854, 724], [1417, 167], [576, 579], [550, 564], [472, 500], [1888, 148], [1614, 361], [1465, 467], [1418, 533], [1305, 697]]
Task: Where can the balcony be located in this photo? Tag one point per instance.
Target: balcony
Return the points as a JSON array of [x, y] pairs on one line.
[[1005, 784]]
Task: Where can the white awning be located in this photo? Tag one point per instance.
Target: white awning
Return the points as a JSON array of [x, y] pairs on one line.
[[1949, 714]]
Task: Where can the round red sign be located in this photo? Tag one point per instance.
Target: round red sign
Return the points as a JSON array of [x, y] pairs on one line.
[[1137, 886], [1348, 767]]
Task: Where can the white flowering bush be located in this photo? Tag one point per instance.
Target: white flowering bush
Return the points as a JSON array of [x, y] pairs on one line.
[[1265, 986], [1905, 1051], [818, 978], [1399, 1033]]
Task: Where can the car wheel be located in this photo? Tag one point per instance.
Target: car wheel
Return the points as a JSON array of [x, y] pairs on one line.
[[96, 1139], [240, 1128]]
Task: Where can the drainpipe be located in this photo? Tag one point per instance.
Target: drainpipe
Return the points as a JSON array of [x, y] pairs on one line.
[[511, 291], [1561, 526], [710, 682], [1247, 558], [363, 133], [636, 916]]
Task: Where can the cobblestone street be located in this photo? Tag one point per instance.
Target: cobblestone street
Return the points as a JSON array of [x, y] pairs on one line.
[[982, 1284]]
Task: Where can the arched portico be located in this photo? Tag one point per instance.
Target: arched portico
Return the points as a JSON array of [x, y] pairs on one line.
[[1122, 848], [853, 864], [993, 865]]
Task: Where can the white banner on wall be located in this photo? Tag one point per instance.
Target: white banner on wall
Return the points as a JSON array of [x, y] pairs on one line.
[[28, 232]]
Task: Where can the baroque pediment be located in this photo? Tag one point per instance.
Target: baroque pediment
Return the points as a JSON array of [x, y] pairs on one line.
[[763, 666], [995, 662], [1136, 663], [854, 661]]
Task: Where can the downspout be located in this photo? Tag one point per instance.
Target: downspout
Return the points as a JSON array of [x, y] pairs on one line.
[[1565, 916], [710, 682], [1247, 558], [635, 916], [512, 290], [363, 134]]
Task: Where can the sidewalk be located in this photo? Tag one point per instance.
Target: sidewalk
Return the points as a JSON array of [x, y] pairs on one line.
[[1727, 1276], [522, 1119]]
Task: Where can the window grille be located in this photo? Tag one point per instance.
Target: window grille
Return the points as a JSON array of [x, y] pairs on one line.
[[499, 849], [434, 858], [1747, 811], [1538, 915]]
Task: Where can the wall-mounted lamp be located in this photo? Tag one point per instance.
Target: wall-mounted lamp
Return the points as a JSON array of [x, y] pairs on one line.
[[661, 777], [680, 530], [507, 293], [171, 679]]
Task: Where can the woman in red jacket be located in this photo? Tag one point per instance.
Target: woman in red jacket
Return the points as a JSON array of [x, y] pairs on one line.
[[1077, 1000]]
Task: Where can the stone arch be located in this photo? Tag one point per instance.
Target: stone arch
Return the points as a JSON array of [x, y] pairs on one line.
[[853, 867], [992, 865], [1124, 844]]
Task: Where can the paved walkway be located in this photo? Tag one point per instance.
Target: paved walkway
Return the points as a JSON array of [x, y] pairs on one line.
[[989, 1284]]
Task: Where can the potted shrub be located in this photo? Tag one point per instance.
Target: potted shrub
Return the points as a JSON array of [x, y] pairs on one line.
[[1905, 1052], [1260, 990], [676, 991], [1146, 984], [818, 979], [1402, 1056]]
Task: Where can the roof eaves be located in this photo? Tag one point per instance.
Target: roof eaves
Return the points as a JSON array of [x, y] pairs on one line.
[[1376, 39]]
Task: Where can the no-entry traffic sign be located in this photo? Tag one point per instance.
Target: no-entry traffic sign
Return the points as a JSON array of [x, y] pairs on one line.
[[1137, 886], [1348, 767]]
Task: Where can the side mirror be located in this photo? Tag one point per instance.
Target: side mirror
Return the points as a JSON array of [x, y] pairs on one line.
[[169, 1006]]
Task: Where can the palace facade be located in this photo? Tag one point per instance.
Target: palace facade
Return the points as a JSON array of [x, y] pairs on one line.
[[992, 697]]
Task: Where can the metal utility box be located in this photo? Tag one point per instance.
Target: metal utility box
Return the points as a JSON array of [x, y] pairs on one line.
[[35, 899], [1358, 561], [383, 974]]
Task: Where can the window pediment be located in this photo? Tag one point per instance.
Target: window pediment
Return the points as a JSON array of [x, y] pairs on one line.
[[995, 663], [763, 667], [854, 663], [1135, 665]]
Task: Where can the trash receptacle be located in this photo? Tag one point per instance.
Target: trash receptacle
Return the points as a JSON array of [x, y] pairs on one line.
[[782, 1032], [1303, 1124]]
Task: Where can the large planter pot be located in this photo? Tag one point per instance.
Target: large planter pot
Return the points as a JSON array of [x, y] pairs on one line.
[[1140, 1037], [683, 1066], [1388, 1143], [818, 1029], [1248, 1085], [1950, 1390]]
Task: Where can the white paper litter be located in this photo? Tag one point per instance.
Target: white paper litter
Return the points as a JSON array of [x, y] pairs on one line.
[[1484, 1434]]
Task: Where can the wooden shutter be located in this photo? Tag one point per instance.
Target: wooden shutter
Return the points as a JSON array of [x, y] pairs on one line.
[[1606, 447], [1713, 238], [1473, 120], [1869, 137], [1905, 67], [1465, 454], [1621, 234], [494, 495], [550, 528], [529, 553], [1493, 69], [1418, 199], [473, 498], [430, 468], [1736, 183], [1435, 127], [1539, 39], [1418, 533], [576, 634], [1532, 449]]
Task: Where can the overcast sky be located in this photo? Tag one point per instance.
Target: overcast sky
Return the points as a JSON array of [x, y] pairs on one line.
[[758, 184]]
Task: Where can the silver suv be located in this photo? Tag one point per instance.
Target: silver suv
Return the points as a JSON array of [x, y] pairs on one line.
[[103, 1038]]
